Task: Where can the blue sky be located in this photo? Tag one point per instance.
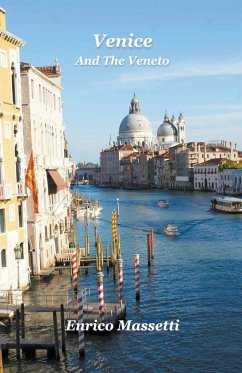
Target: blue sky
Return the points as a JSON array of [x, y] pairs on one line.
[[202, 40]]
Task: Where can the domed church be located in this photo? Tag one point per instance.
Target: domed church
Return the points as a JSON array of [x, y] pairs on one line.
[[171, 132], [135, 128]]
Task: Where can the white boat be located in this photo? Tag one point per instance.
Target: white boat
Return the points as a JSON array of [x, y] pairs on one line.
[[163, 203], [88, 209], [95, 210], [171, 230], [230, 205]]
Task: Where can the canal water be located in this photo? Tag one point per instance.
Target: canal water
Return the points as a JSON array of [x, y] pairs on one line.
[[195, 278]]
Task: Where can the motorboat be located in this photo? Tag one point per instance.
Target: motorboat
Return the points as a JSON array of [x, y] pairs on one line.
[[230, 205], [163, 203], [171, 230]]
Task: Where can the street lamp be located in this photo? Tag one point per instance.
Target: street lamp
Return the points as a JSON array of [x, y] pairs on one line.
[[118, 206], [18, 256]]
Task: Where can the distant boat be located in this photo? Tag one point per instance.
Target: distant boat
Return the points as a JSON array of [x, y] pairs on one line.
[[230, 205], [171, 230], [163, 203]]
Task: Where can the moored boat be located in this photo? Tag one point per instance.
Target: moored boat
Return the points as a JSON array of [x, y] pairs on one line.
[[230, 205], [163, 203], [171, 230]]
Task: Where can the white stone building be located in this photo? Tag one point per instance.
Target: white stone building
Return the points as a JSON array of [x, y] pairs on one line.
[[206, 175], [44, 136], [230, 181]]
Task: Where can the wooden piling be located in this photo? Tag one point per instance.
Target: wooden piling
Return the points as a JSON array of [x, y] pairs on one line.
[[1, 360], [148, 248], [22, 328], [57, 354], [17, 334], [63, 334], [152, 243], [114, 271], [107, 260]]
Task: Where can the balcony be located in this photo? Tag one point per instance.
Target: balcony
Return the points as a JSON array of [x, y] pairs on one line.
[[22, 190], [5, 191]]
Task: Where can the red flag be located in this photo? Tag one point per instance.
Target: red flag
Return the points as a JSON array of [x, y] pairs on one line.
[[30, 182]]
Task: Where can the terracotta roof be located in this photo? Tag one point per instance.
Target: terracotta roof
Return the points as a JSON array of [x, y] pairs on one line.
[[50, 71], [127, 147]]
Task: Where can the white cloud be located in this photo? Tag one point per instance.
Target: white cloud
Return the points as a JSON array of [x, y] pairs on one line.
[[184, 70]]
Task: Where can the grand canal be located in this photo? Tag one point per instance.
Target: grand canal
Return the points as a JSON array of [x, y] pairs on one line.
[[195, 277]]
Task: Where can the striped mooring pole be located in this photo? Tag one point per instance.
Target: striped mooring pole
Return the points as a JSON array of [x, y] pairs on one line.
[[136, 275], [120, 277], [100, 295], [81, 343], [74, 270]]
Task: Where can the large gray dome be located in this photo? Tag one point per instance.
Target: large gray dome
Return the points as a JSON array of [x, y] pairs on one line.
[[135, 128], [135, 122]]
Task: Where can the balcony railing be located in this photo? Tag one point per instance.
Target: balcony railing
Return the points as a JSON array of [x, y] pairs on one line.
[[22, 190]]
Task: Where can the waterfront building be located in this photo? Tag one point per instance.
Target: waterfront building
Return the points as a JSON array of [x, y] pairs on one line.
[[161, 170], [206, 174], [135, 129], [142, 170], [230, 178], [14, 271], [44, 138], [171, 132], [184, 157], [111, 167]]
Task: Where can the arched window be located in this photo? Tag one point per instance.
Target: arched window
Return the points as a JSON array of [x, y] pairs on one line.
[[14, 83], [3, 258]]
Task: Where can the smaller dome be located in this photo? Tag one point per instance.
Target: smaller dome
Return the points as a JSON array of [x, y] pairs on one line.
[[166, 129]]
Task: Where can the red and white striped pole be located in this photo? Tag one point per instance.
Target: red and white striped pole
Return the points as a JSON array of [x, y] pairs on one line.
[[74, 270], [81, 344], [100, 295], [136, 273], [120, 277]]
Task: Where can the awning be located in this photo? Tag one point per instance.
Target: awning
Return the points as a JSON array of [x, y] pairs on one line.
[[55, 180]]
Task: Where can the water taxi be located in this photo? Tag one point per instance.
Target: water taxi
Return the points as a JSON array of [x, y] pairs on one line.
[[231, 205], [171, 230], [163, 203]]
